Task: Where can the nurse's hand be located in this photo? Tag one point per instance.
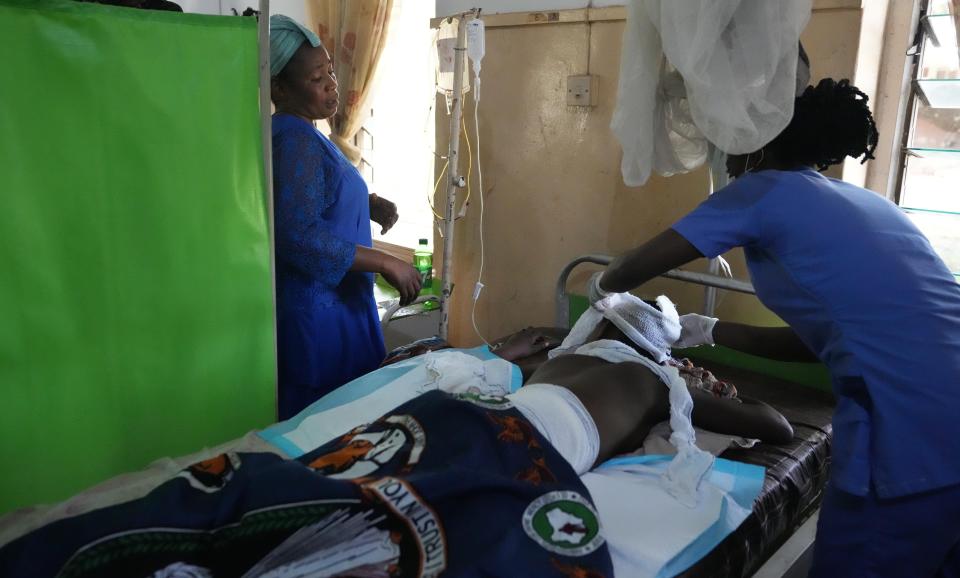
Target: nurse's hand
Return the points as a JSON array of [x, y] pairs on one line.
[[403, 277], [695, 330], [383, 213], [594, 291]]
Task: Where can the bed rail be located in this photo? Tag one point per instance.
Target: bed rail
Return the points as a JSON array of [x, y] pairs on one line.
[[562, 315]]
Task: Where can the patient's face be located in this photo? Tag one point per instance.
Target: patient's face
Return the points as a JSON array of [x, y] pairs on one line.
[[607, 330]]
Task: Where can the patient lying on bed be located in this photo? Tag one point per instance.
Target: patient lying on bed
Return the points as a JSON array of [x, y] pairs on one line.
[[458, 483], [626, 399], [601, 393]]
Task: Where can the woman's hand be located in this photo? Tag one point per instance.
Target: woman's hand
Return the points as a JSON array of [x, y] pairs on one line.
[[594, 291], [402, 276], [383, 213]]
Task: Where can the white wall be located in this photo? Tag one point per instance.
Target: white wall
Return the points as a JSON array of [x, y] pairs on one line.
[[295, 9], [448, 7], [200, 6]]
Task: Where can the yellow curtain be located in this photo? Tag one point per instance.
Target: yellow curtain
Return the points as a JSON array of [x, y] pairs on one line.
[[354, 33]]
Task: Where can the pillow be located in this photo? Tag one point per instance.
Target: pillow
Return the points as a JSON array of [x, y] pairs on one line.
[[369, 396]]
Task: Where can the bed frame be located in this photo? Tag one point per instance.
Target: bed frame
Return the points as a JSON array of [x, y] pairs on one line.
[[561, 313]]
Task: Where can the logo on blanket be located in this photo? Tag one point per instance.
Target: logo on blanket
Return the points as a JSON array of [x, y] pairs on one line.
[[213, 474], [563, 522], [401, 498], [362, 452], [485, 401]]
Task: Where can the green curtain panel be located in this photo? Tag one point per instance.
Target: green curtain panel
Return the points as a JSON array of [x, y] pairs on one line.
[[136, 310]]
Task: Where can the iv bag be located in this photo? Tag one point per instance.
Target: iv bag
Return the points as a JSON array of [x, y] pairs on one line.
[[446, 41]]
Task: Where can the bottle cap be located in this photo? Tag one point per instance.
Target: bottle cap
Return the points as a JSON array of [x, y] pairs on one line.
[[423, 241]]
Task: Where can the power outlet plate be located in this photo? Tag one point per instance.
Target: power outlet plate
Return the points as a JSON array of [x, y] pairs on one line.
[[582, 90]]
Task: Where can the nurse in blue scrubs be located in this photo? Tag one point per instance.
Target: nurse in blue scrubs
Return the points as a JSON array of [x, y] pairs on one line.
[[328, 331], [862, 291]]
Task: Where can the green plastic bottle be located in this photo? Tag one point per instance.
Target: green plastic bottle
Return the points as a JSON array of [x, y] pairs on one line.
[[423, 262]]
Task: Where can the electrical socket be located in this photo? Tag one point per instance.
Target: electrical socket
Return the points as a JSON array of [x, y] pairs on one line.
[[582, 90]]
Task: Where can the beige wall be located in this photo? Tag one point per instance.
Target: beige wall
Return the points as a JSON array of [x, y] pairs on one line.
[[552, 173]]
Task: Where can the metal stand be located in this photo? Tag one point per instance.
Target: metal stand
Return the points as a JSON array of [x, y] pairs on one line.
[[455, 180], [266, 129]]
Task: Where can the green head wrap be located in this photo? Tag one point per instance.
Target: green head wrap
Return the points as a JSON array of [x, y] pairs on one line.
[[286, 36]]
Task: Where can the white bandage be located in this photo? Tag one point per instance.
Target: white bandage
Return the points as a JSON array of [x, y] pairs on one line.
[[653, 329], [561, 417]]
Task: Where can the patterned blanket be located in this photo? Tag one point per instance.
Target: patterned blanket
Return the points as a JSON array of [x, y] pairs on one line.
[[452, 485]]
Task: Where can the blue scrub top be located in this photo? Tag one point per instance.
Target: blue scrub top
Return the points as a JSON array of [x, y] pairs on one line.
[[865, 291]]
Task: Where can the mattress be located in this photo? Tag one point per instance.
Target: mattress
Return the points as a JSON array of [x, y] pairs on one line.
[[795, 478]]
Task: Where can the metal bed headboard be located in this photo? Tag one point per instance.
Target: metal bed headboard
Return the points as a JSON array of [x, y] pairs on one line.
[[562, 307], [562, 314]]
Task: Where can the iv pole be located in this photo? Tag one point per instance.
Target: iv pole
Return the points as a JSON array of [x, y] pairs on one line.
[[455, 179]]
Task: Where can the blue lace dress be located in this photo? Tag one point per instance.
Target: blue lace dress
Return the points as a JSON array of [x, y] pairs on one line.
[[328, 331]]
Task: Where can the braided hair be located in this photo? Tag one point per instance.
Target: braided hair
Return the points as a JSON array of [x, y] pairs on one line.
[[830, 122]]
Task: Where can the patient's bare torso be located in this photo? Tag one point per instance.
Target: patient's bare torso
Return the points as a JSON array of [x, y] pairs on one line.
[[625, 399]]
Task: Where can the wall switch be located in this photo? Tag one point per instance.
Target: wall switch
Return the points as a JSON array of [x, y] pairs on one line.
[[582, 90]]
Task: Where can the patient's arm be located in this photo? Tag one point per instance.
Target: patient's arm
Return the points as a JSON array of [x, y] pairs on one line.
[[747, 418], [780, 343]]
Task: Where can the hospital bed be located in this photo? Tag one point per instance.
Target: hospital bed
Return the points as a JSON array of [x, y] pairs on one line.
[[796, 473]]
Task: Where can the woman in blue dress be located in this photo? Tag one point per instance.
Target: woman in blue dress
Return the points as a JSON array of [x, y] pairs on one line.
[[328, 331]]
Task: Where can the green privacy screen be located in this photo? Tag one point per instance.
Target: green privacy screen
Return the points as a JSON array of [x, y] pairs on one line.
[[136, 316]]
